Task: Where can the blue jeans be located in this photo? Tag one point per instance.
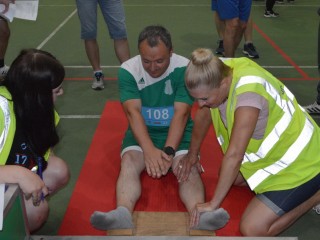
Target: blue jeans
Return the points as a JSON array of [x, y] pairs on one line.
[[113, 14]]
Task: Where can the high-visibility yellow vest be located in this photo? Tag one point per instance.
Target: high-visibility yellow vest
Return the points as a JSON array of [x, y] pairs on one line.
[[8, 125], [288, 155]]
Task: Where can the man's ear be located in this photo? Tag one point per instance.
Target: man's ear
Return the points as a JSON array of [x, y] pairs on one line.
[[171, 51]]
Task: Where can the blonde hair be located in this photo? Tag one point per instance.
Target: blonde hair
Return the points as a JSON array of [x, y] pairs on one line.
[[205, 69]]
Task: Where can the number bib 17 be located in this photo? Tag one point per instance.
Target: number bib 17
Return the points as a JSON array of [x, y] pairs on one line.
[[157, 116]]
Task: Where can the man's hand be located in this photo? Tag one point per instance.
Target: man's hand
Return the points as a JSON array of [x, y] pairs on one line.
[[157, 163], [184, 166]]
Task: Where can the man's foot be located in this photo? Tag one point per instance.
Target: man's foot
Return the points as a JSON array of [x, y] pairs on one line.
[[250, 50], [220, 49], [119, 218], [3, 71], [98, 83], [313, 108], [213, 220], [270, 14]]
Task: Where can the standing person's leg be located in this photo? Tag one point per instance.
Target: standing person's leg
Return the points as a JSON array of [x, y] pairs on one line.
[[219, 27], [121, 48], [87, 12], [4, 41], [114, 16], [269, 9], [232, 36], [235, 17], [128, 192], [315, 107], [220, 30], [249, 49]]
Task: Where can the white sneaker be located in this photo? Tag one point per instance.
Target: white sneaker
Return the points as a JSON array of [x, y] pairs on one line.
[[313, 109], [98, 83], [3, 71], [317, 208]]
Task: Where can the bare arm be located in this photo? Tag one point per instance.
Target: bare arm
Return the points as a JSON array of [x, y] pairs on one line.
[[244, 125], [29, 182], [178, 124], [202, 122]]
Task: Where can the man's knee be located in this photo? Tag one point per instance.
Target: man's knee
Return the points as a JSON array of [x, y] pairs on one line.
[[132, 162]]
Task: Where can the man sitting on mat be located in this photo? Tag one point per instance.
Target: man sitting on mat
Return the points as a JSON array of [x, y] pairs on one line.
[[158, 107]]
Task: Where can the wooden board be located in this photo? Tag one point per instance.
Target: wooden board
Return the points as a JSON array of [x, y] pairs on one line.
[[160, 224]]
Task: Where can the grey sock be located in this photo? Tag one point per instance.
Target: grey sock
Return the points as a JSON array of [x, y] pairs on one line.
[[213, 220], [119, 218]]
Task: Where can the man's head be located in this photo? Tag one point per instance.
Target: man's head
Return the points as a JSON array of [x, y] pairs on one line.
[[155, 48]]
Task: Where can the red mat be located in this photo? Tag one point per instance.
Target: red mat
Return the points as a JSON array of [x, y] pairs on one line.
[[95, 188]]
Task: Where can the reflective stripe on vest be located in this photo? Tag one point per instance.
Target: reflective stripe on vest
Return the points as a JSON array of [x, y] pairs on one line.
[[274, 136], [281, 125], [7, 120]]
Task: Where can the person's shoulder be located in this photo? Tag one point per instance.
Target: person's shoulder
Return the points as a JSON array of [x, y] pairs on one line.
[[133, 66], [134, 61], [5, 93]]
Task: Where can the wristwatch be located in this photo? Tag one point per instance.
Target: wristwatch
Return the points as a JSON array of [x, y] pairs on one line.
[[169, 151]]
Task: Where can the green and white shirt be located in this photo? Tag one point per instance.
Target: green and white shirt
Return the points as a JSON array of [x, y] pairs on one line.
[[157, 95]]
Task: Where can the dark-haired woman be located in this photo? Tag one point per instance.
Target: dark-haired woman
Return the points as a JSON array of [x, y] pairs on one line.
[[28, 131]]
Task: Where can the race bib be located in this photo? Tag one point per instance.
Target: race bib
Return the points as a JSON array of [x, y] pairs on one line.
[[157, 116]]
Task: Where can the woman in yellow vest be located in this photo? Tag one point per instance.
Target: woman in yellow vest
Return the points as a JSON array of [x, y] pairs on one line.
[[28, 131], [269, 142]]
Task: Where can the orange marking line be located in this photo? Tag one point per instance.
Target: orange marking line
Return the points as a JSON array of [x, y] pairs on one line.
[[304, 75]]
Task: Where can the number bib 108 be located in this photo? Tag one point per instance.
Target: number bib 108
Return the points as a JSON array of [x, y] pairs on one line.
[[157, 116]]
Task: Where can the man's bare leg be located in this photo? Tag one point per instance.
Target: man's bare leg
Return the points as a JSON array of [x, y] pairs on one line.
[[128, 192]]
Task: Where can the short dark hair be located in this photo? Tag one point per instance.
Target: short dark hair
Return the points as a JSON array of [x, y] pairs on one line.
[[153, 34], [30, 80]]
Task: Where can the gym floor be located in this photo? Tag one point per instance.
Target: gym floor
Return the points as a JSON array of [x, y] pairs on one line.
[[287, 46]]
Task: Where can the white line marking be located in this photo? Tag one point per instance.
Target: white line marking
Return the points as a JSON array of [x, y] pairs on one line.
[[56, 30]]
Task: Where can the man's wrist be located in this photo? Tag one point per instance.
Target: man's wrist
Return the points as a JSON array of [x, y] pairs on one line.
[[169, 151]]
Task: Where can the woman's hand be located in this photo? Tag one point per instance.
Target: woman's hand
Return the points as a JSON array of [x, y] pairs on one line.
[[32, 186], [184, 166]]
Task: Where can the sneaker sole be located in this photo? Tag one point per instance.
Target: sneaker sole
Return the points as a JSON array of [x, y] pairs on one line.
[[250, 56], [270, 16], [97, 88]]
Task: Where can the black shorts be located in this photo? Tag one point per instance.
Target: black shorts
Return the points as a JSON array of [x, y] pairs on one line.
[[284, 201]]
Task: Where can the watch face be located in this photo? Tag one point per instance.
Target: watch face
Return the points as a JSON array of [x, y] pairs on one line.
[[169, 151]]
